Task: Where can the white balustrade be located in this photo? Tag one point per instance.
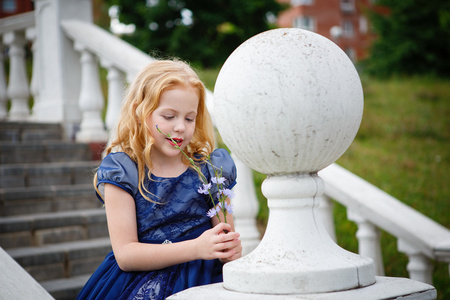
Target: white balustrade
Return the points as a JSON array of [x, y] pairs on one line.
[[91, 100], [3, 96], [326, 213], [419, 266], [245, 207], [116, 86], [371, 207], [17, 91], [368, 240]]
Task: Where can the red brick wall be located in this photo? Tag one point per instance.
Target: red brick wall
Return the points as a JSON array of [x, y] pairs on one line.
[[20, 6], [328, 13]]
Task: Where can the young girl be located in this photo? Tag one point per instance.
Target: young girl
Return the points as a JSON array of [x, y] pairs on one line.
[[162, 239]]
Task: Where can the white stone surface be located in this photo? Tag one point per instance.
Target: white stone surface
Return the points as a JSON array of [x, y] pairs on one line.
[[16, 283], [245, 208], [59, 72], [384, 288], [288, 102]]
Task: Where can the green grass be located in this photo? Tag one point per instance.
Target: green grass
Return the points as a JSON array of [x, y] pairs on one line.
[[403, 147]]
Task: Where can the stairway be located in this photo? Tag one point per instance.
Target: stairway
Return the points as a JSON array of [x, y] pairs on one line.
[[50, 220]]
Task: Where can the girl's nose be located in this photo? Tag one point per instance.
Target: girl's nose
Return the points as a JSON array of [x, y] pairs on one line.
[[179, 127]]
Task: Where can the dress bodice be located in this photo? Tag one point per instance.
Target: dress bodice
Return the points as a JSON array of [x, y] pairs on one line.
[[178, 207]]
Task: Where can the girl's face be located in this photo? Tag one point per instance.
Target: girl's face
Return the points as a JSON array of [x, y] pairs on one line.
[[175, 115]]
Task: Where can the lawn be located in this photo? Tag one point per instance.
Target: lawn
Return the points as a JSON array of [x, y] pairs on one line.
[[403, 147]]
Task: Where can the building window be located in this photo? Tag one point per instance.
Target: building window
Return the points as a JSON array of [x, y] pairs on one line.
[[9, 6], [363, 25], [304, 22], [301, 2], [347, 5], [347, 28]]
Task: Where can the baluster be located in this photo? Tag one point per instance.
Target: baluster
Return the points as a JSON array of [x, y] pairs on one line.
[[30, 34], [91, 99], [326, 214], [116, 80], [3, 97], [368, 240], [419, 266], [245, 207], [18, 90]]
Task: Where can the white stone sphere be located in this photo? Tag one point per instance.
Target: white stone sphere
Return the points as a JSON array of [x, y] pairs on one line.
[[288, 101]]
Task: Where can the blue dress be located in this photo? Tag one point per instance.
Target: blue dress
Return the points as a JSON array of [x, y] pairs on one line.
[[181, 216]]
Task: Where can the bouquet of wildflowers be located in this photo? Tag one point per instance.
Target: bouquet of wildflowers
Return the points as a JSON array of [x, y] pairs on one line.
[[223, 193]]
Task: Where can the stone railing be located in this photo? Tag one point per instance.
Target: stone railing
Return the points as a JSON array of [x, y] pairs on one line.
[[80, 106], [122, 62], [420, 238], [15, 33]]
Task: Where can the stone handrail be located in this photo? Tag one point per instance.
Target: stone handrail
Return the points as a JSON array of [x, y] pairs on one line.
[[418, 236], [17, 22], [122, 55]]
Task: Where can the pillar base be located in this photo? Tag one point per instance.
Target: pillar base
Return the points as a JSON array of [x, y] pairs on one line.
[[384, 288]]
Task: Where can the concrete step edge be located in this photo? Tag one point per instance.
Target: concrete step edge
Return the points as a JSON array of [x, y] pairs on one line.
[[72, 283], [51, 220], [33, 256]]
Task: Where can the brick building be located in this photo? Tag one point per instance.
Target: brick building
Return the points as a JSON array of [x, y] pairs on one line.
[[13, 7], [342, 21]]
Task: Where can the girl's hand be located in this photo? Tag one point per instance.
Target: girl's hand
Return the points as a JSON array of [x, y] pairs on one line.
[[215, 243]]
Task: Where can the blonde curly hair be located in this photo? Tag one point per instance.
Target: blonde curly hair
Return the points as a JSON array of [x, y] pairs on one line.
[[142, 98]]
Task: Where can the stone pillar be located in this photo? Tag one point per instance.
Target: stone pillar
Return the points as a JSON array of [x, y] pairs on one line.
[[59, 74], [288, 103], [295, 107]]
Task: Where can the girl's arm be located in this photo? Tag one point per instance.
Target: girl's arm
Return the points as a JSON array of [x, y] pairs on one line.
[[131, 255]]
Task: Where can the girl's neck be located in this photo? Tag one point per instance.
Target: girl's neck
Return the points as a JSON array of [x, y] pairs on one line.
[[168, 167]]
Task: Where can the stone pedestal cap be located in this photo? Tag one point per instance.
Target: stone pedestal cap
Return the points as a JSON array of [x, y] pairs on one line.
[[288, 101]]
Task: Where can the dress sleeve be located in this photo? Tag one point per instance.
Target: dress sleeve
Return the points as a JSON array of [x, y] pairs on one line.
[[118, 169], [220, 158]]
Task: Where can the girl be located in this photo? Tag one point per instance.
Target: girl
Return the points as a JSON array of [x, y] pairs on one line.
[[162, 239]]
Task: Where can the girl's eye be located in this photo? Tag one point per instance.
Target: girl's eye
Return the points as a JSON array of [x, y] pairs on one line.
[[168, 117], [190, 119]]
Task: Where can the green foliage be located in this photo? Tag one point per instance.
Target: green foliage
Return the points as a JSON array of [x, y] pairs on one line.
[[413, 38], [403, 147], [204, 32]]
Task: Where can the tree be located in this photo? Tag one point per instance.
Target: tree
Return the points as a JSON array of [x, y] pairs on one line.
[[413, 38], [204, 32]]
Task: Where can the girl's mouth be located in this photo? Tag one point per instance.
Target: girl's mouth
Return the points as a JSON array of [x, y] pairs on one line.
[[177, 141]]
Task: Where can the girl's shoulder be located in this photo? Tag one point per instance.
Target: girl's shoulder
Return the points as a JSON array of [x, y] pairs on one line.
[[220, 157], [117, 166], [118, 169], [221, 162], [118, 158]]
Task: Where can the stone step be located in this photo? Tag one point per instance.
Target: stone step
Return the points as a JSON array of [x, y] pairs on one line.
[[57, 173], [45, 199], [62, 260], [29, 131], [44, 151], [49, 228], [65, 288]]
